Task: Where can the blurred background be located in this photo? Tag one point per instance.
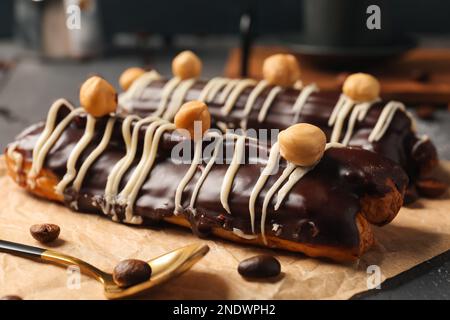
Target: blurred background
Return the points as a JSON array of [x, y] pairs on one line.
[[48, 47]]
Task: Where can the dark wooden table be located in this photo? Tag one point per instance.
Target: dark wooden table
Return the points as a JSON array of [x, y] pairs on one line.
[[30, 85]]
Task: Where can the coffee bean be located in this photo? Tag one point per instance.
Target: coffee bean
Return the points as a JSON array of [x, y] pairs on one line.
[[261, 266], [46, 232], [130, 272], [431, 188], [11, 297]]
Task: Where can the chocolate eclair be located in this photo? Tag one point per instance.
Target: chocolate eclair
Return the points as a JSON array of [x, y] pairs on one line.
[[358, 117], [314, 198]]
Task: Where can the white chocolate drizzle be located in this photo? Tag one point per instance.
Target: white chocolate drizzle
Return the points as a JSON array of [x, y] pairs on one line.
[[227, 183], [119, 169], [337, 119], [124, 196], [272, 162], [75, 154], [211, 89], [226, 91], [167, 90], [131, 190], [284, 175], [358, 114], [343, 107], [188, 176], [257, 90], [42, 151], [205, 173], [94, 154], [48, 129], [207, 88], [424, 138], [242, 235], [293, 174], [268, 102], [178, 98], [138, 86], [129, 216], [296, 175], [254, 94], [215, 90], [234, 95], [302, 98], [385, 120]]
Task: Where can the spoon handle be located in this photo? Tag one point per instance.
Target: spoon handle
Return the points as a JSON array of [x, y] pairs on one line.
[[55, 257], [21, 249]]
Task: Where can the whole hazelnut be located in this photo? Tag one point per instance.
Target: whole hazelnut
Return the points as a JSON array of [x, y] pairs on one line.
[[191, 113], [129, 76], [361, 87], [98, 97], [302, 144], [281, 70], [187, 65]]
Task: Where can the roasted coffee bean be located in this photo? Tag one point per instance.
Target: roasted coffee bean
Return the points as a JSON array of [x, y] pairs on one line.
[[11, 297], [130, 272], [431, 188], [261, 266], [425, 111], [46, 232]]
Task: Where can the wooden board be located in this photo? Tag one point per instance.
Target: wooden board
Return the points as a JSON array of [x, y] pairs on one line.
[[419, 76]]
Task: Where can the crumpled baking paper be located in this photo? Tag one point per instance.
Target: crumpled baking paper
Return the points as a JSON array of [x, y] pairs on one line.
[[416, 235]]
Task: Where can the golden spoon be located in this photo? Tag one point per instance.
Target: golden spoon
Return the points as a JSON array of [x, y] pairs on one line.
[[164, 267]]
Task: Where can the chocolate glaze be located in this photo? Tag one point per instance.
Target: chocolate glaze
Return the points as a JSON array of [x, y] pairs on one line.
[[397, 143], [320, 209]]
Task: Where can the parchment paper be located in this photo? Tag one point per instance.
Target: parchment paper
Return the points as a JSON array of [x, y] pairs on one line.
[[416, 235]]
